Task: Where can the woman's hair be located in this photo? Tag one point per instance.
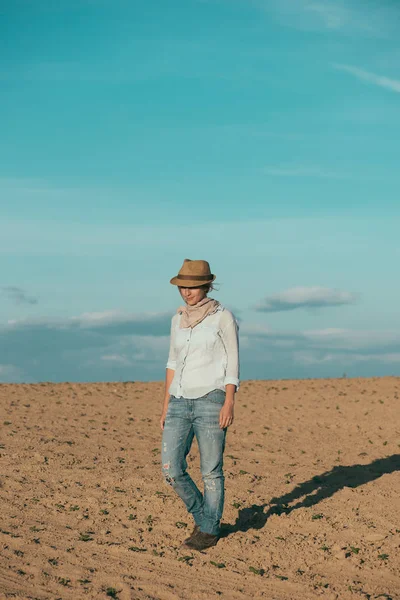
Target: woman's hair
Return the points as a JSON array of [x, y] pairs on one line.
[[208, 287]]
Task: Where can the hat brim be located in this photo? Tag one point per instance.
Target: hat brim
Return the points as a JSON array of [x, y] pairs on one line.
[[191, 282]]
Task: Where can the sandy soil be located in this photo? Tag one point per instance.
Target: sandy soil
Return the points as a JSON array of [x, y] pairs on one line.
[[312, 503]]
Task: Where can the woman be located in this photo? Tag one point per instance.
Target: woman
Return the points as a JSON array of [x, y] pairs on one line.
[[202, 377]]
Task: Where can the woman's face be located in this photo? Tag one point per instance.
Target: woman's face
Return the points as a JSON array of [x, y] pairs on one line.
[[192, 295]]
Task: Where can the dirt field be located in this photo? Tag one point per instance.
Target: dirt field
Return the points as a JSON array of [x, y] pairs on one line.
[[312, 495]]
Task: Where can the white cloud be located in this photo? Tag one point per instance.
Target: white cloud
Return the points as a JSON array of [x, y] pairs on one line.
[[110, 346], [379, 80], [98, 317], [320, 353], [375, 18], [116, 359], [112, 322], [329, 339], [305, 14], [348, 339], [92, 347], [305, 297], [332, 16], [307, 357]]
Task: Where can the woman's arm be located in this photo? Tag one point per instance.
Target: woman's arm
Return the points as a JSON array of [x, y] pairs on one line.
[[169, 375], [230, 338], [170, 372]]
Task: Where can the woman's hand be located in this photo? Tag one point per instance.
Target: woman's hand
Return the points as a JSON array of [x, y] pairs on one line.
[[163, 417], [226, 414]]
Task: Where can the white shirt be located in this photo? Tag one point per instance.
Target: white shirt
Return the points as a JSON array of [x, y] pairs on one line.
[[205, 357]]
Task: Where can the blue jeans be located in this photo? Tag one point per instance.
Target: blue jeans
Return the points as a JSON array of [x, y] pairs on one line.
[[186, 419]]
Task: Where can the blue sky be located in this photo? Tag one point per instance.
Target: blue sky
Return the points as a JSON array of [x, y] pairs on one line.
[[261, 135]]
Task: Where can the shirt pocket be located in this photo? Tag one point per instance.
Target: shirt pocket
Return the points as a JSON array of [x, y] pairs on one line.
[[205, 337]]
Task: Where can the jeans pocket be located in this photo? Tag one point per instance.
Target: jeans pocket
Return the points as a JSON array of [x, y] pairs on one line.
[[216, 396], [175, 400], [175, 407]]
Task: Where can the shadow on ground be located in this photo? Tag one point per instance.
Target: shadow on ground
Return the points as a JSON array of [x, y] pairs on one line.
[[315, 490]]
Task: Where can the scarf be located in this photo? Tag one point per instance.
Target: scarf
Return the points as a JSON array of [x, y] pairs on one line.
[[193, 315]]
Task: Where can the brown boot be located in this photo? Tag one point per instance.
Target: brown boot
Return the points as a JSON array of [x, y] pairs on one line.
[[195, 531], [202, 541]]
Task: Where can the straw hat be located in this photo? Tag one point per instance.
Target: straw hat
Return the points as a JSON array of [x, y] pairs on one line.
[[193, 273]]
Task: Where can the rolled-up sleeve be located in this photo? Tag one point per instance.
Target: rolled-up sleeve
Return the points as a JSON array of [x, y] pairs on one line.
[[230, 338], [171, 363]]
